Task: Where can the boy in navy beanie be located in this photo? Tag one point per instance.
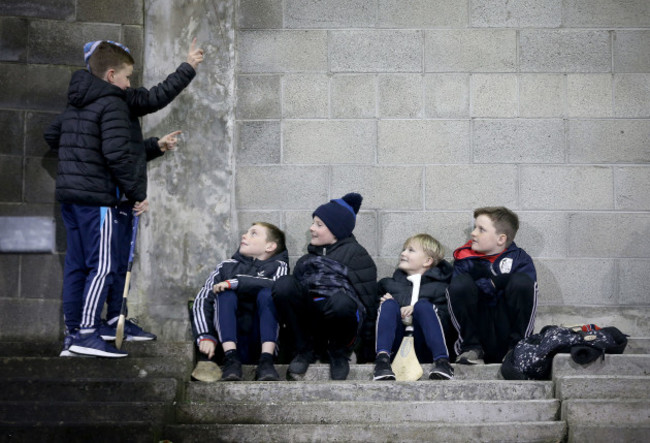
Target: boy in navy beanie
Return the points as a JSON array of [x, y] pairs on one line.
[[330, 301]]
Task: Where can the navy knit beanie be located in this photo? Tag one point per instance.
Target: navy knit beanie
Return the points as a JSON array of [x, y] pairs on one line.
[[340, 215]]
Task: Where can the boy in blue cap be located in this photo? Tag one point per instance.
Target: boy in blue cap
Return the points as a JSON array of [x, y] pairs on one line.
[[331, 298], [102, 164]]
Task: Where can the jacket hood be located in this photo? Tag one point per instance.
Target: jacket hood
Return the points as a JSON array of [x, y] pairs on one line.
[[85, 88], [441, 272], [326, 249], [282, 256]]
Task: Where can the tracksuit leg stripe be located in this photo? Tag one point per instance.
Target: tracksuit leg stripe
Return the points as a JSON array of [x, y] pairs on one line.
[[93, 296]]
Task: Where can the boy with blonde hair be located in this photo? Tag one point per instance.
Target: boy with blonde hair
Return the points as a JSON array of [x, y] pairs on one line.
[[493, 292], [414, 299], [235, 301]]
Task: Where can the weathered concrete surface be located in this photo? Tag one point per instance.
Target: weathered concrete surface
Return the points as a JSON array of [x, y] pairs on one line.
[[187, 230]]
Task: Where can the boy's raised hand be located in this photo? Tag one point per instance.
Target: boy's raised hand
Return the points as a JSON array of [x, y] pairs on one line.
[[195, 55], [168, 142]]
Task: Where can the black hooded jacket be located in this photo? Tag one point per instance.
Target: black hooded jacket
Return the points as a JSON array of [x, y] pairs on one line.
[[99, 138], [433, 285]]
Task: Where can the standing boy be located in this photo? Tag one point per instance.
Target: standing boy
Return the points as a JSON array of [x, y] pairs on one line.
[[238, 293], [96, 168], [493, 292], [332, 295], [415, 295]]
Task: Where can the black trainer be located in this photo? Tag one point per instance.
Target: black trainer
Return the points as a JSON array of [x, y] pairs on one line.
[[383, 370], [265, 370], [300, 363], [339, 364], [441, 370], [231, 367]]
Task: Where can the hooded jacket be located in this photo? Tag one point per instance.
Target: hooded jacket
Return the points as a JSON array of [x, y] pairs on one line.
[[247, 276], [433, 285], [99, 138]]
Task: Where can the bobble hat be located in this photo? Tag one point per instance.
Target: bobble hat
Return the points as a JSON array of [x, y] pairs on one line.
[[340, 215]]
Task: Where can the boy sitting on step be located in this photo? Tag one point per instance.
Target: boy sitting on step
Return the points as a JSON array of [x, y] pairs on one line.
[[235, 303], [330, 300], [415, 295], [493, 292]]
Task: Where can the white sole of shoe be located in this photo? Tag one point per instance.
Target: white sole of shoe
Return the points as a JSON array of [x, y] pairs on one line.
[[94, 352], [384, 377]]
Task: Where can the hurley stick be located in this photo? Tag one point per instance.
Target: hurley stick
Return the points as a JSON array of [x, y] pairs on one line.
[[119, 333], [405, 364]]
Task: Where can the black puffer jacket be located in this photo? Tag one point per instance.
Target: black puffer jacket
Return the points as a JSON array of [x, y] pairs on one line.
[[433, 285], [93, 137], [90, 131], [362, 273]]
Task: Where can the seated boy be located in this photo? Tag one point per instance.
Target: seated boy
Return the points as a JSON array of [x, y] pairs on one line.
[[332, 291], [493, 292], [415, 295], [242, 282]]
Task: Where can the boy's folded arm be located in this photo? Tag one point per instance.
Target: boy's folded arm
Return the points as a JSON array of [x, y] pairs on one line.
[[143, 101]]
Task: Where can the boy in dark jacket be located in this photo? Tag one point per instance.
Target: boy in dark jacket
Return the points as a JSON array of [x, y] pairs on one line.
[[236, 299], [331, 298], [414, 299], [493, 292], [95, 125]]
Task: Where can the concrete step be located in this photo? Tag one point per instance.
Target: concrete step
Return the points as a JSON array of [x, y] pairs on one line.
[[608, 411], [180, 350], [321, 371], [133, 432], [594, 433], [612, 364], [638, 345], [631, 320], [79, 367], [326, 412], [82, 390], [550, 431], [430, 390], [602, 387], [56, 412]]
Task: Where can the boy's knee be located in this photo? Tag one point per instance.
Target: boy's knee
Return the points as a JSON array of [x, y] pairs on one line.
[[284, 288], [520, 282], [462, 287], [422, 307]]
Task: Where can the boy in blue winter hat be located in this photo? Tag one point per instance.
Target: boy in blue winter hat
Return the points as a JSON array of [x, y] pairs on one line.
[[330, 301]]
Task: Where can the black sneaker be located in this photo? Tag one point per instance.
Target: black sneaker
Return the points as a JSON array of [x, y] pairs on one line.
[[231, 367], [441, 370], [383, 371], [471, 357], [339, 364], [265, 370], [300, 363]]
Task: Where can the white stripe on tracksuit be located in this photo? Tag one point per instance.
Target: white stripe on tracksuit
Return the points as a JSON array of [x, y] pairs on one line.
[[199, 314], [92, 297]]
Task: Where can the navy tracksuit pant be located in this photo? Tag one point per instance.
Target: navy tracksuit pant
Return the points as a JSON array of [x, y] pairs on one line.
[[428, 335], [90, 263]]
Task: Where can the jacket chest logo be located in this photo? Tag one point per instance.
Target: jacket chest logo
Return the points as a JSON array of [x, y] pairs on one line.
[[505, 266]]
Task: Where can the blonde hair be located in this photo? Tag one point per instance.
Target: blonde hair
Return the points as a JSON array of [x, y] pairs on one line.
[[430, 245]]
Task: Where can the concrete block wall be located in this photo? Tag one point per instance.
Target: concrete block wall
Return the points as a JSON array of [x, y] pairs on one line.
[[431, 108]]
